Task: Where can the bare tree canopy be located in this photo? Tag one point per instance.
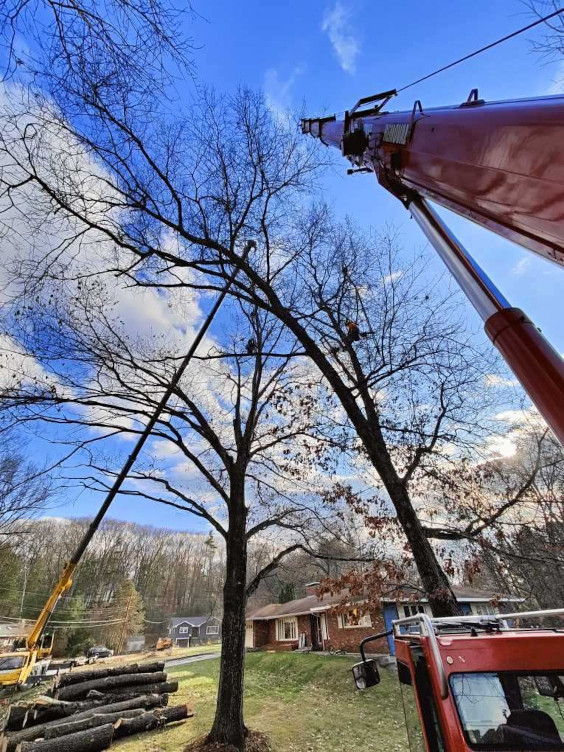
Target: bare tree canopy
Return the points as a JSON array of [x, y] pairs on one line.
[[25, 489], [341, 368]]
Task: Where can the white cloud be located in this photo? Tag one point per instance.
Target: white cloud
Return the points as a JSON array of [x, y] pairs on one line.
[[522, 266], [501, 446], [278, 91], [336, 23], [557, 85], [492, 379], [392, 277]]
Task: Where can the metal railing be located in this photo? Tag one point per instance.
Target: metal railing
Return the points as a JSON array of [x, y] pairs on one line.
[[427, 629]]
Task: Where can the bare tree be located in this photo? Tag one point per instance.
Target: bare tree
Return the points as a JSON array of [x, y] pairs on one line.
[[245, 176], [509, 513], [551, 46], [25, 489], [234, 447]]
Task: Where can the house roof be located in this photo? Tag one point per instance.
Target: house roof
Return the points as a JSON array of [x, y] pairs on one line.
[[312, 603], [298, 607], [463, 594], [193, 621]]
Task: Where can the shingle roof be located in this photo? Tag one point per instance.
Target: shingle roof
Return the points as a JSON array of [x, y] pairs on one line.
[[194, 621], [299, 606], [461, 593], [313, 603]]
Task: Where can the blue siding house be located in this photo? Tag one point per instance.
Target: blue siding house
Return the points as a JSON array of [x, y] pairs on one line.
[[406, 602], [187, 631]]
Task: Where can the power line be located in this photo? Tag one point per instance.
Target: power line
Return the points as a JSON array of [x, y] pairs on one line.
[[59, 623], [483, 49]]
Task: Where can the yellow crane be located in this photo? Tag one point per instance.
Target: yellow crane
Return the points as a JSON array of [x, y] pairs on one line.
[[16, 666]]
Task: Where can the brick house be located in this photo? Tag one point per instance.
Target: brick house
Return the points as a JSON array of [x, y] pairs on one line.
[[313, 622]]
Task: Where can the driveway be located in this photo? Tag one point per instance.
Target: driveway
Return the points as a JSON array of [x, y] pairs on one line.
[[191, 659]]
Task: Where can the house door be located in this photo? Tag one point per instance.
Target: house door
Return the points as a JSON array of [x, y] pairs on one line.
[[390, 613], [316, 639], [249, 635]]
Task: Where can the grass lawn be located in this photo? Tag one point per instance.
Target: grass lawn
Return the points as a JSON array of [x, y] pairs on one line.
[[304, 703]]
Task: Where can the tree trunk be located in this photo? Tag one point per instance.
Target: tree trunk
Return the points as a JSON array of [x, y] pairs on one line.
[[34, 732], [367, 426], [77, 691], [92, 740], [72, 727], [23, 716], [435, 582], [150, 721], [128, 693], [228, 726], [77, 677]]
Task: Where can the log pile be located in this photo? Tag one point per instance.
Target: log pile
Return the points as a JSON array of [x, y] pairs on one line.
[[85, 711]]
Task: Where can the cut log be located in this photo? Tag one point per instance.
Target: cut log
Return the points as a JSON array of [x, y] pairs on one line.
[[150, 721], [92, 740], [78, 691], [146, 702], [76, 677], [46, 709], [129, 692], [156, 697], [71, 727]]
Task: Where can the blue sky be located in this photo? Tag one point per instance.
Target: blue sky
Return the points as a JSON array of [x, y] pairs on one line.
[[323, 56]]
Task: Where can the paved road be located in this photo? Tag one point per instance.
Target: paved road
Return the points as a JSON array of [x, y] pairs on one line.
[[191, 659]]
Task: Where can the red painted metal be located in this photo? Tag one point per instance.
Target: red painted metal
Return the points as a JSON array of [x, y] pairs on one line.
[[527, 651], [537, 365], [501, 164]]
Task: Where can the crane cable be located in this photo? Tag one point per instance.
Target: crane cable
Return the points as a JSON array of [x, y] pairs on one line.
[[483, 49]]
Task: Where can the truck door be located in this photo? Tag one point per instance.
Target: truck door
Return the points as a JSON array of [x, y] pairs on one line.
[[421, 719]]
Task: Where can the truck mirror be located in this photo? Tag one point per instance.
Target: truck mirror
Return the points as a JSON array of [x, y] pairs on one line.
[[366, 674]]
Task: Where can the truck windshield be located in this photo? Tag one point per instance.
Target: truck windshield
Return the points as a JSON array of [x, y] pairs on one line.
[[509, 710], [11, 662]]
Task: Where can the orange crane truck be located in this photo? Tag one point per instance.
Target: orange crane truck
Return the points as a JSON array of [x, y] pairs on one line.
[[478, 682], [475, 683], [499, 164]]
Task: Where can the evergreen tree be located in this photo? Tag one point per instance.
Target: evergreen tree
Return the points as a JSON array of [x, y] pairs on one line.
[[287, 592]]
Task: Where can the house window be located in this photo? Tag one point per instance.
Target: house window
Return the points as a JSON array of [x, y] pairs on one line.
[[211, 629], [353, 619], [183, 630], [286, 629], [482, 609], [413, 610]]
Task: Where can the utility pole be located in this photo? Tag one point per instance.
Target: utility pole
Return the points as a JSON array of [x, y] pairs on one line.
[[24, 588]]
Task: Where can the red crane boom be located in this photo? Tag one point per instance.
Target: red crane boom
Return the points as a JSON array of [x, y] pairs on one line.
[[500, 164]]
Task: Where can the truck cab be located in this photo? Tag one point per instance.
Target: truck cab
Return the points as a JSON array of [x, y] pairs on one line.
[[479, 683], [19, 666]]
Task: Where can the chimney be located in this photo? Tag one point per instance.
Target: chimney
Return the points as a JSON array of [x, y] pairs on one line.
[[311, 588]]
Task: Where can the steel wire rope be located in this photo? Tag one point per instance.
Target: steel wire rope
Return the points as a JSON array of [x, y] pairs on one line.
[[483, 49]]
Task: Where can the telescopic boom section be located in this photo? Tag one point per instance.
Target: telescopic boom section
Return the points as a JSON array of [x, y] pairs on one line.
[[500, 164]]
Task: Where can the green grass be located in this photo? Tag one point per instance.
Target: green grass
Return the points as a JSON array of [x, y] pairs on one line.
[[304, 703]]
